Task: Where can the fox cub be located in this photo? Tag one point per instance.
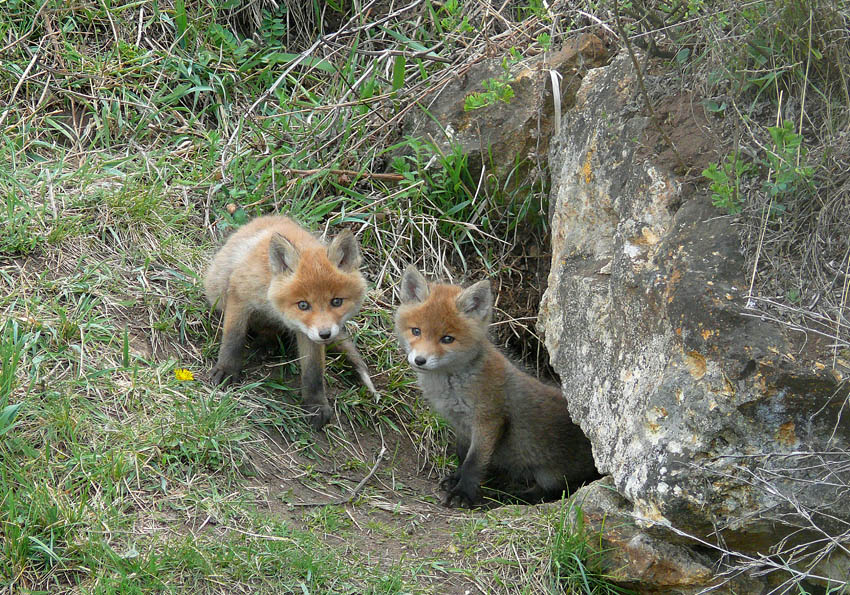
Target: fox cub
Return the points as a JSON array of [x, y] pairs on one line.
[[509, 426], [273, 275]]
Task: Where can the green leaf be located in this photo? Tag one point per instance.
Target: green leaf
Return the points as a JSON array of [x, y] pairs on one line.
[[413, 45], [712, 106], [476, 100], [7, 417], [714, 174], [398, 72], [310, 61], [181, 21]]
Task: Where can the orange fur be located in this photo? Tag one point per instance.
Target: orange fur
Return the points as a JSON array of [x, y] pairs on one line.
[[263, 276]]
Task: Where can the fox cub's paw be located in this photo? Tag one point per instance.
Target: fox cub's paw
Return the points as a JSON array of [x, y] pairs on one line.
[[224, 375], [458, 493], [448, 483], [319, 415]]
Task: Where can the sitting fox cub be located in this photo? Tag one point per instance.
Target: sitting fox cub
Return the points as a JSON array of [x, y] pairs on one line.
[[508, 424], [272, 274]]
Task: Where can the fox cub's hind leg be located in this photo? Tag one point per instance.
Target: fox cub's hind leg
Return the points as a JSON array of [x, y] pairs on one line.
[[234, 329], [312, 356]]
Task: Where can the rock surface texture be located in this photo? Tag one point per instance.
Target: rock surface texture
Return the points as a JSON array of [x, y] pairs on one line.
[[710, 420]]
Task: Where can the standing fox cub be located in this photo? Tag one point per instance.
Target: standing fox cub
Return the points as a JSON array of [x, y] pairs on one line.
[[509, 426], [272, 274]]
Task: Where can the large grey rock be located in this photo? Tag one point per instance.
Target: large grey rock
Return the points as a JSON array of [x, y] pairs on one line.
[[709, 420]]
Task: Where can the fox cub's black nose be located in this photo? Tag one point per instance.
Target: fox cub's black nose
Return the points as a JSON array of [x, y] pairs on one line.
[[420, 361], [325, 334]]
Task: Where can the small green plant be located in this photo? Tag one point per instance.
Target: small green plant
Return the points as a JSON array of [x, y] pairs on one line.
[[451, 19], [328, 519], [784, 163], [12, 344], [17, 225], [496, 89], [783, 158], [726, 182], [536, 9]]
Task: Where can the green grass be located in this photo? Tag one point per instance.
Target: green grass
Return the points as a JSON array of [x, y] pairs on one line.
[[577, 564], [128, 150]]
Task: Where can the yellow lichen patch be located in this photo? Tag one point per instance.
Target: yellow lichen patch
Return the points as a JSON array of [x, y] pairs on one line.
[[587, 169], [706, 334], [647, 511], [653, 416], [786, 434], [675, 277], [647, 237], [696, 364], [650, 236]]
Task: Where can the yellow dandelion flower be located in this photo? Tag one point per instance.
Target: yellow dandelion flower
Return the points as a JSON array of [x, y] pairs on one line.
[[183, 374]]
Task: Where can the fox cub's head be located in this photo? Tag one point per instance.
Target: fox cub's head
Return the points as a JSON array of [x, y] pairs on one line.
[[316, 290], [442, 327]]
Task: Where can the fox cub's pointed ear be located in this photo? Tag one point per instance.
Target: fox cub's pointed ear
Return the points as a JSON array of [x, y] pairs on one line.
[[476, 301], [414, 287], [344, 251], [283, 256]]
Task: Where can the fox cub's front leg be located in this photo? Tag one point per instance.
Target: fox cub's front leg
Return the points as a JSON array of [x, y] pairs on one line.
[[312, 358], [448, 483], [229, 364], [463, 487]]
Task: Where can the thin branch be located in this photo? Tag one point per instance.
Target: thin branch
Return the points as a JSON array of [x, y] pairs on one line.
[[642, 86], [357, 489]]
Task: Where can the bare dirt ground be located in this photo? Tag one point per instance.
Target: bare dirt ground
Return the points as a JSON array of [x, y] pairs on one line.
[[395, 518], [333, 484]]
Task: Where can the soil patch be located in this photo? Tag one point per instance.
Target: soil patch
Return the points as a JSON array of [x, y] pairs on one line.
[[683, 120]]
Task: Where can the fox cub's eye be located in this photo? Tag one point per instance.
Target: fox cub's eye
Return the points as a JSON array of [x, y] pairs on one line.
[[336, 302], [415, 332], [447, 339], [302, 305]]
